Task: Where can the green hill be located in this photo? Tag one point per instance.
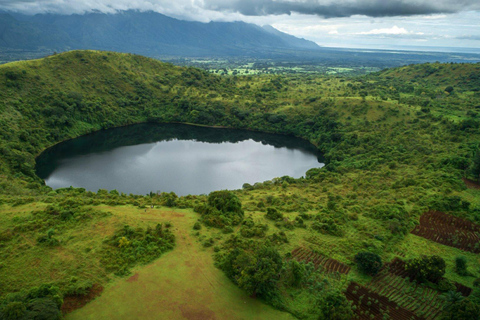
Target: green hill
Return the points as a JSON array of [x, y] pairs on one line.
[[397, 144]]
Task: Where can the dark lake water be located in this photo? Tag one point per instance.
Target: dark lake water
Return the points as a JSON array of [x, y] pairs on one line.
[[172, 157]]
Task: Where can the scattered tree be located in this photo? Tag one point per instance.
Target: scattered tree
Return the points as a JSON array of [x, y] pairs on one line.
[[368, 262]]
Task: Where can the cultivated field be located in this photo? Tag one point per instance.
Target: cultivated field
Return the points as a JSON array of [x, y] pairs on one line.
[[449, 230]]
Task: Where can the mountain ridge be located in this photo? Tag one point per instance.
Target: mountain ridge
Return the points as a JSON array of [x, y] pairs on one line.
[[148, 33]]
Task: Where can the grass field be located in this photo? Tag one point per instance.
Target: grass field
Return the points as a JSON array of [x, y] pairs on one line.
[[182, 284]]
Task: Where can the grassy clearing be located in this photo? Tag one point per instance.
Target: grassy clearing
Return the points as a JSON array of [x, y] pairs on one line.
[[182, 284]]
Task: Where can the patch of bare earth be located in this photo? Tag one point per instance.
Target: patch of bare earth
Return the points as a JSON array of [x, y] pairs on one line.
[[133, 278], [449, 230], [471, 184], [74, 302]]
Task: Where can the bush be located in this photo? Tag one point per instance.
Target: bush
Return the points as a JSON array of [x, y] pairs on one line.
[[446, 285], [48, 239], [273, 214], [225, 201], [223, 208], [254, 267], [14, 310], [426, 268], [278, 238], [461, 266], [197, 226], [368, 262], [45, 309], [41, 302], [295, 273], [77, 288], [476, 283], [327, 225], [129, 247], [334, 305], [251, 229], [247, 186]]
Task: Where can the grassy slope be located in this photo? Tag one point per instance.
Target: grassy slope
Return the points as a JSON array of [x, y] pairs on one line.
[[183, 284], [391, 153]]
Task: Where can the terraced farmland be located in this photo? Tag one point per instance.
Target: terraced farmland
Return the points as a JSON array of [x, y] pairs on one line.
[[369, 305], [449, 230], [418, 299], [319, 261]]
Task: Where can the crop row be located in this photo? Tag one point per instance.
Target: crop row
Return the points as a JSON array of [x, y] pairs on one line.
[[397, 267], [449, 230], [370, 305], [420, 300], [319, 261]]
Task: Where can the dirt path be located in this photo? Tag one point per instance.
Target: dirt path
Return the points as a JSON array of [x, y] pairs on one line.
[[182, 284]]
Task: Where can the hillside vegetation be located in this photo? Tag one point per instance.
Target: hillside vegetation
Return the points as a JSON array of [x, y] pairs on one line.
[[397, 144]]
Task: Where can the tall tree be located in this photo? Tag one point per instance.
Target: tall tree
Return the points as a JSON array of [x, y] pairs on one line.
[[258, 270]]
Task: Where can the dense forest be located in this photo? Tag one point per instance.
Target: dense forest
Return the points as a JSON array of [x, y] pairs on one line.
[[389, 228]]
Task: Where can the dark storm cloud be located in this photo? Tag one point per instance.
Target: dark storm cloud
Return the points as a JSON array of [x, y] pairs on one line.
[[342, 8], [323, 8]]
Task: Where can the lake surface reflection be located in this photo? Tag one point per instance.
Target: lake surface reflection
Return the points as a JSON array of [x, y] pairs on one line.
[[172, 157]]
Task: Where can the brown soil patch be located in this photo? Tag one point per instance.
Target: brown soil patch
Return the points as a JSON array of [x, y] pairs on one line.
[[72, 303], [133, 278], [370, 305], [449, 230], [471, 184], [177, 215]]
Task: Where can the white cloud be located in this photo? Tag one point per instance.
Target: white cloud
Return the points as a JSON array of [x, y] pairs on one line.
[[392, 30]]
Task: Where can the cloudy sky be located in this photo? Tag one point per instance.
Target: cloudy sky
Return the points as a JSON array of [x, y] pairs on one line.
[[382, 24]]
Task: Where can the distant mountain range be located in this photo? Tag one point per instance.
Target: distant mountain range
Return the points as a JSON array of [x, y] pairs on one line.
[[147, 33]]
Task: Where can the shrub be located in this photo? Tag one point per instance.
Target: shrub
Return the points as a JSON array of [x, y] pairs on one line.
[[129, 247], [250, 229], [223, 208], [476, 283], [44, 308], [446, 285], [41, 302], [334, 305], [208, 243], [278, 238], [327, 225], [48, 239], [74, 287], [255, 267], [295, 273], [368, 262], [225, 201], [197, 226], [426, 268], [461, 266], [273, 214], [14, 310], [247, 186]]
